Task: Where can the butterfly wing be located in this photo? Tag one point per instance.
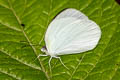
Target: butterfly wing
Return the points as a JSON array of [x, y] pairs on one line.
[[81, 36], [71, 13], [68, 13], [68, 34]]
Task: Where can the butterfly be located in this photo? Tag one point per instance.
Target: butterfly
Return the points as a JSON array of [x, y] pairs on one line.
[[70, 32]]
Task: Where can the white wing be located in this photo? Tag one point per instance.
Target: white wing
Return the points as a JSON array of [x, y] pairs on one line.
[[71, 35], [71, 13], [68, 13]]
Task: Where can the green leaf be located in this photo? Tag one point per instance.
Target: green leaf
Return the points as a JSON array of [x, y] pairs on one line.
[[17, 43]]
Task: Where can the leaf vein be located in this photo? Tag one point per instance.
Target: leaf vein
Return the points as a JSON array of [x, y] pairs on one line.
[[19, 21], [10, 75], [19, 60]]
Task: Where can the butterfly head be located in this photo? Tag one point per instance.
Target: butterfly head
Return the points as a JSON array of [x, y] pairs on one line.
[[44, 49]]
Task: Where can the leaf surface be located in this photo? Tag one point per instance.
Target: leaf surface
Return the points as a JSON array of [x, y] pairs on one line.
[[20, 44]]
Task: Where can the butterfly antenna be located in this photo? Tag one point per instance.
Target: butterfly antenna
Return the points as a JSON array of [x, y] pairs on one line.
[[63, 63]]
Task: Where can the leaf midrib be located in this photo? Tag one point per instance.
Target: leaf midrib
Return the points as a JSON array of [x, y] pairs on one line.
[[19, 21]]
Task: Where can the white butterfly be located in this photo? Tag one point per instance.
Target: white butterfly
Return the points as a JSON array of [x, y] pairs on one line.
[[70, 32]]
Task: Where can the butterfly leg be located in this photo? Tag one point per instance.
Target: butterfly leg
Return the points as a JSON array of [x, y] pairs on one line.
[[62, 62], [42, 55], [39, 56], [49, 64]]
